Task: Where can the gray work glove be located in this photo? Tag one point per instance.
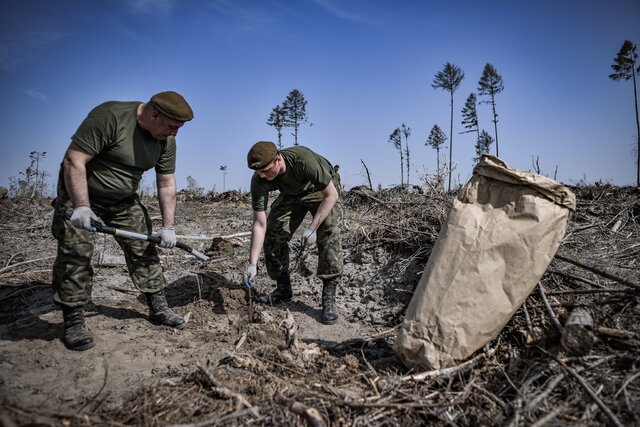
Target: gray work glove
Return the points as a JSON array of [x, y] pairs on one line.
[[168, 236], [82, 217], [249, 275], [309, 237]]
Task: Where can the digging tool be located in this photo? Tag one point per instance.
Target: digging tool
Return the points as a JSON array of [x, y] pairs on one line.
[[247, 284], [98, 227], [250, 298]]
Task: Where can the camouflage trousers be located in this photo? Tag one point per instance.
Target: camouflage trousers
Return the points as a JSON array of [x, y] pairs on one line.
[[72, 271], [285, 216]]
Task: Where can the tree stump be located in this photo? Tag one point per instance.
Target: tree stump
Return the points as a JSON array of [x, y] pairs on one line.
[[578, 338]]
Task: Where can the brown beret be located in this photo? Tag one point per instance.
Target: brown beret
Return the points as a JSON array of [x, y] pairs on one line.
[[261, 154], [173, 105]]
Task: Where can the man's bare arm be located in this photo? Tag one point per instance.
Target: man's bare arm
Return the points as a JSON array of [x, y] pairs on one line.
[[258, 231], [166, 184], [330, 198], [75, 175]]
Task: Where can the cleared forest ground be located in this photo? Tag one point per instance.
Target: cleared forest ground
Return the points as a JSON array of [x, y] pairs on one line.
[[233, 366]]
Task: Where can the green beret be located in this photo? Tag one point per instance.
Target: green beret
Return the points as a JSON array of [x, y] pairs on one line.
[[173, 105], [261, 154]]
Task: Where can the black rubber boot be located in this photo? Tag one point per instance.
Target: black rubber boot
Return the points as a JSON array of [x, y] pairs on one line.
[[161, 314], [329, 315], [76, 336], [282, 292]]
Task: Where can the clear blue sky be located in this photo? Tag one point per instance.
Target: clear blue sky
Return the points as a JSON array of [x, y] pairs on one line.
[[364, 66]]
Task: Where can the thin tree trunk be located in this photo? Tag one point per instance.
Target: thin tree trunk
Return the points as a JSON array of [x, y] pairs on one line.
[[401, 166], [495, 122], [635, 97], [407, 153], [366, 169], [450, 141]]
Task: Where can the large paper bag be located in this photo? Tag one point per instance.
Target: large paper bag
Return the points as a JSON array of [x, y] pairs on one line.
[[504, 228]]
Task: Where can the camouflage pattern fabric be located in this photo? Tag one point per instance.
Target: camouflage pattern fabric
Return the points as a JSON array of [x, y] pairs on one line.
[[72, 271], [285, 216]]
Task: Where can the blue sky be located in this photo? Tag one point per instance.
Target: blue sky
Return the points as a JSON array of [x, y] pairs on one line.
[[364, 66]]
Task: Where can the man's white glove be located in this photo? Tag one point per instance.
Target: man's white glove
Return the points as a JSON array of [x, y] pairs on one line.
[[249, 275], [168, 236], [82, 217], [309, 237]]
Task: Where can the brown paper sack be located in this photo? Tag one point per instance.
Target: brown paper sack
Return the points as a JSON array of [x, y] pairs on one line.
[[502, 232]]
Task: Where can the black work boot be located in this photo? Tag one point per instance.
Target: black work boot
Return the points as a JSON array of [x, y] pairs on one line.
[[282, 292], [76, 336], [329, 315], [161, 314]]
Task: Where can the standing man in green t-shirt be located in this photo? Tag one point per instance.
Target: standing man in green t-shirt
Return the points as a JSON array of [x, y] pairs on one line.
[[305, 182], [99, 177]]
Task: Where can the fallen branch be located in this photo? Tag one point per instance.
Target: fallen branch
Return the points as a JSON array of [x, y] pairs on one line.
[[600, 272], [223, 391], [553, 316], [375, 199], [591, 291], [588, 389], [453, 370], [581, 279], [218, 420], [9, 267]]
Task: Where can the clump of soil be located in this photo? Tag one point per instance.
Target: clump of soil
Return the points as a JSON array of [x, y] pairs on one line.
[[239, 362]]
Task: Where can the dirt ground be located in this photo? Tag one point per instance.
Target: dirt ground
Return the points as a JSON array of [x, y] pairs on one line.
[[141, 374]]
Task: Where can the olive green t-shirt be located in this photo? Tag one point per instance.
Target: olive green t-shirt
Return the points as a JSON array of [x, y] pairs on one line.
[[306, 172], [122, 151]]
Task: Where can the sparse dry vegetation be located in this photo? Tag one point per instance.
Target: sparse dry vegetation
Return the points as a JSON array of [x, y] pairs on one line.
[[233, 365]]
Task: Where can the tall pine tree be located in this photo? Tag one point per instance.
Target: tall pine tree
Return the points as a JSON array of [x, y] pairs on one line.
[[490, 85], [624, 68], [396, 139], [436, 139], [448, 80], [276, 119], [406, 131], [483, 144], [295, 107], [470, 115]]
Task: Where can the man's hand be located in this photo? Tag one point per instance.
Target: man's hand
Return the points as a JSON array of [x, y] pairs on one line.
[[168, 236], [249, 275], [82, 217], [309, 237]]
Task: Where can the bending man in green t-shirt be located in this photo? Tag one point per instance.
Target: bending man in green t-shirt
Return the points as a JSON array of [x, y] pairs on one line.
[[305, 182], [99, 177]]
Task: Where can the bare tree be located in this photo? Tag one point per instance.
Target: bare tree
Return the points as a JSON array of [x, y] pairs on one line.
[[193, 187], [624, 68], [34, 183], [396, 139], [224, 176], [366, 169], [406, 131], [449, 80], [490, 85]]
